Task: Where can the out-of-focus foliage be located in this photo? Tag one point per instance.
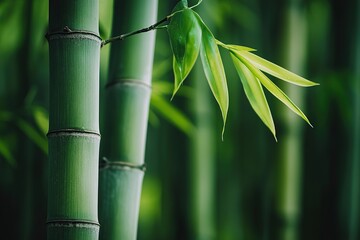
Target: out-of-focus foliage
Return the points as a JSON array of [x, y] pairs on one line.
[[189, 35], [247, 175]]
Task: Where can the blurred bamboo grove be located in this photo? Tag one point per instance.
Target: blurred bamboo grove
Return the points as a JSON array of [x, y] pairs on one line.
[[306, 186]]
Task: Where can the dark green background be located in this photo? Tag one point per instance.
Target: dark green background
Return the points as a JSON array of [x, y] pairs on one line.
[[237, 184]]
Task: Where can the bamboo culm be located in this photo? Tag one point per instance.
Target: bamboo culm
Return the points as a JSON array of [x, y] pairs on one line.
[[127, 100], [354, 209], [74, 137], [290, 153]]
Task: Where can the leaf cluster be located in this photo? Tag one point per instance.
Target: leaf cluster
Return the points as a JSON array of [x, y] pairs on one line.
[[189, 37]]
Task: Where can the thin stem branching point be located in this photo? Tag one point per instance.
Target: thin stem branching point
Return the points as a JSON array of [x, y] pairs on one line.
[[147, 29]]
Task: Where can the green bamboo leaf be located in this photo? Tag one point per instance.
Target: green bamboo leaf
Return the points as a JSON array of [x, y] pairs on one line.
[[235, 47], [33, 135], [276, 70], [160, 68], [255, 94], [172, 114], [41, 118], [178, 79], [165, 88], [241, 48], [5, 152], [153, 118], [214, 70], [273, 89], [161, 87], [185, 39], [6, 116]]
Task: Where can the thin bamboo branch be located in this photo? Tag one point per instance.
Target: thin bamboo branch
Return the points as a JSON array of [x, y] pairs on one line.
[[143, 30], [146, 29]]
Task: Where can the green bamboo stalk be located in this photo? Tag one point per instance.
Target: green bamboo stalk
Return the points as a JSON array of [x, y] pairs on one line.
[[203, 163], [25, 166], [203, 152], [354, 210], [291, 147], [73, 136], [126, 114]]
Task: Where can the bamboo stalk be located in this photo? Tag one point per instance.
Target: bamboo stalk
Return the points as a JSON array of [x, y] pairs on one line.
[[126, 113], [74, 137], [354, 210], [203, 154], [291, 157], [203, 164]]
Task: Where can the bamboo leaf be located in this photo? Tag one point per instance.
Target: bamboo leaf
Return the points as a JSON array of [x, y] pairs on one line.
[[165, 88], [241, 48], [255, 94], [172, 114], [5, 152], [153, 118], [178, 79], [214, 70], [161, 87], [276, 70], [273, 89], [235, 47], [33, 135], [5, 116], [185, 38], [160, 68], [41, 118]]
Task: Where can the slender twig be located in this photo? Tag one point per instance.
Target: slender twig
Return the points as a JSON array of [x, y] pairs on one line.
[[196, 4], [147, 29], [143, 30]]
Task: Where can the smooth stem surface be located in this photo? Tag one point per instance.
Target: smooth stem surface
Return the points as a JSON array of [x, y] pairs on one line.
[[126, 115], [291, 157], [203, 146], [203, 157], [73, 118], [354, 210]]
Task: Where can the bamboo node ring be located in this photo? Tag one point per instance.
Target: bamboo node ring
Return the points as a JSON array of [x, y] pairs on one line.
[[106, 163]]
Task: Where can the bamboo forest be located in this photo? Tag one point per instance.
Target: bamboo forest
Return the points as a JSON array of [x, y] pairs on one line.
[[180, 120]]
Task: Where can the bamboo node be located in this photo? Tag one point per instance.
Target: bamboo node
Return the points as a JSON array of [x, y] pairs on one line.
[[106, 163], [134, 82], [73, 133], [66, 32], [73, 223], [67, 29]]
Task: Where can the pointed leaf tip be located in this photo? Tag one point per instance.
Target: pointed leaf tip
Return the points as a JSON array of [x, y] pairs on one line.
[[234, 47], [185, 39], [214, 70], [277, 71], [255, 94], [272, 88]]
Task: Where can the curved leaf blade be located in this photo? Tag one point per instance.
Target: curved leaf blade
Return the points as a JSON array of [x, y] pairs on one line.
[[41, 118], [34, 135], [273, 89], [178, 79], [185, 39], [241, 48], [6, 153], [214, 71], [255, 94], [172, 114], [235, 47], [277, 71]]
